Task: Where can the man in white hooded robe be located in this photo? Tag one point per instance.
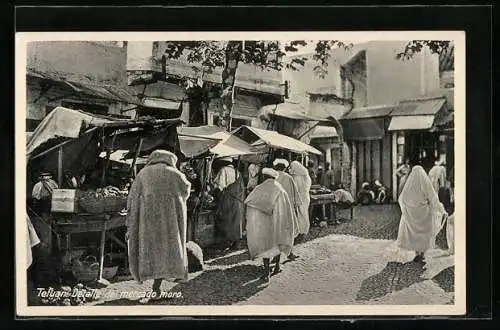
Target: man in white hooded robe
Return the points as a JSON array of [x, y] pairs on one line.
[[270, 232]]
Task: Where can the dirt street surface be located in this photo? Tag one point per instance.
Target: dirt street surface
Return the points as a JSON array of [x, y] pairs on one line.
[[355, 262]]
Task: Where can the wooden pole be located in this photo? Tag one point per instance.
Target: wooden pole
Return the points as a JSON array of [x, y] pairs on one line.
[[108, 155], [59, 166], [139, 146]]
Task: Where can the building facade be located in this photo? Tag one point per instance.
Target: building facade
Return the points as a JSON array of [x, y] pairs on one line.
[[84, 75], [164, 80], [372, 93]]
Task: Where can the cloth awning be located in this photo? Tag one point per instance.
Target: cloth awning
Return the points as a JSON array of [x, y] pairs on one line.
[[418, 114], [196, 141], [71, 124], [234, 146], [194, 146], [364, 129], [161, 103], [207, 131], [259, 137], [323, 132], [288, 110]]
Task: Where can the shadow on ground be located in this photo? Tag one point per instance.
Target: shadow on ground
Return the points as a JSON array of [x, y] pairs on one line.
[[369, 221], [212, 287], [394, 277], [446, 279], [229, 260]]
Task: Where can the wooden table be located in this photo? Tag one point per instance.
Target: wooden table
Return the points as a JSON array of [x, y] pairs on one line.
[[325, 200], [85, 223]]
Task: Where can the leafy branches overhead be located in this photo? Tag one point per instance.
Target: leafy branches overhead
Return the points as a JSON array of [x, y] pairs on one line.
[[415, 46], [265, 54]]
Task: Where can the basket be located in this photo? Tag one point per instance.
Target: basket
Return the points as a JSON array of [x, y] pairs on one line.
[[88, 270], [111, 204]]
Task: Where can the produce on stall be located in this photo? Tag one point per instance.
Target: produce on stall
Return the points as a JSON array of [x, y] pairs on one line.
[[69, 142]]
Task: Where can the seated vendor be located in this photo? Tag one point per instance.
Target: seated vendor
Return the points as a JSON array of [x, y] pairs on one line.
[[380, 192], [365, 194], [342, 196]]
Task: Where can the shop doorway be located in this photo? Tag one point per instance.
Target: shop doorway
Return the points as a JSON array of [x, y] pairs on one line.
[[422, 147]]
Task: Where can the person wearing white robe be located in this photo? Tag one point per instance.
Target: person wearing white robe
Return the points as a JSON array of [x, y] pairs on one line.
[[269, 229], [300, 175], [32, 240], [226, 175], [437, 175], [290, 187], [421, 214]]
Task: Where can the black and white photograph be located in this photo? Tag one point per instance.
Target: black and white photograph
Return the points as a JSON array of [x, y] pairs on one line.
[[240, 173]]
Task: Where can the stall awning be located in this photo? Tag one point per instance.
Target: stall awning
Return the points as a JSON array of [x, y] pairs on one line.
[[288, 110], [207, 131], [161, 104], [403, 123], [323, 132], [234, 146], [70, 124], [194, 146], [258, 137], [364, 129], [417, 114]]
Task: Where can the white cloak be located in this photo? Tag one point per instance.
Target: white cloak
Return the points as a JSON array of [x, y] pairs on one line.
[[421, 213], [269, 229]]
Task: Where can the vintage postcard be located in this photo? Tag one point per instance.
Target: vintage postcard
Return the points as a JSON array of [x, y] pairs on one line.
[[240, 173]]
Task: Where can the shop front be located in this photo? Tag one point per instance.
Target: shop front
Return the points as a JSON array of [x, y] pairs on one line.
[[418, 126], [370, 146]]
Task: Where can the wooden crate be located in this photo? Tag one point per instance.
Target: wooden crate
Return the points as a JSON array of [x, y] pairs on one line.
[[63, 200]]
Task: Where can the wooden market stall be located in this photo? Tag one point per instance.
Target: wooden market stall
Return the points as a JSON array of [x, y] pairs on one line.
[[204, 145], [320, 197], [78, 147]]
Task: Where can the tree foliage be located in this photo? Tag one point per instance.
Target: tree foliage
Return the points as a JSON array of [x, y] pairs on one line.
[[267, 55], [415, 46]]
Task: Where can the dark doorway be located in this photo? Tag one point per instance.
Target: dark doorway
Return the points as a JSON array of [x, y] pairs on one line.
[[422, 148]]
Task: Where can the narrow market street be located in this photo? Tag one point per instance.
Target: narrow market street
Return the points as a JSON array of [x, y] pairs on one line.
[[351, 263]]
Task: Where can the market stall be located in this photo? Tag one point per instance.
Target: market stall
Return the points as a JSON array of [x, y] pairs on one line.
[[321, 197], [202, 146], [89, 155]]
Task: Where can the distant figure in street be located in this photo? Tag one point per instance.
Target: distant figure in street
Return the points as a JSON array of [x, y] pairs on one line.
[[328, 177], [312, 172], [402, 173], [157, 221], [303, 181], [365, 195], [437, 175], [269, 229], [421, 214], [286, 181]]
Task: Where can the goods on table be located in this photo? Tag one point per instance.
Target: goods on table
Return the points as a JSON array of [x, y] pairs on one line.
[[319, 190], [103, 200]]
